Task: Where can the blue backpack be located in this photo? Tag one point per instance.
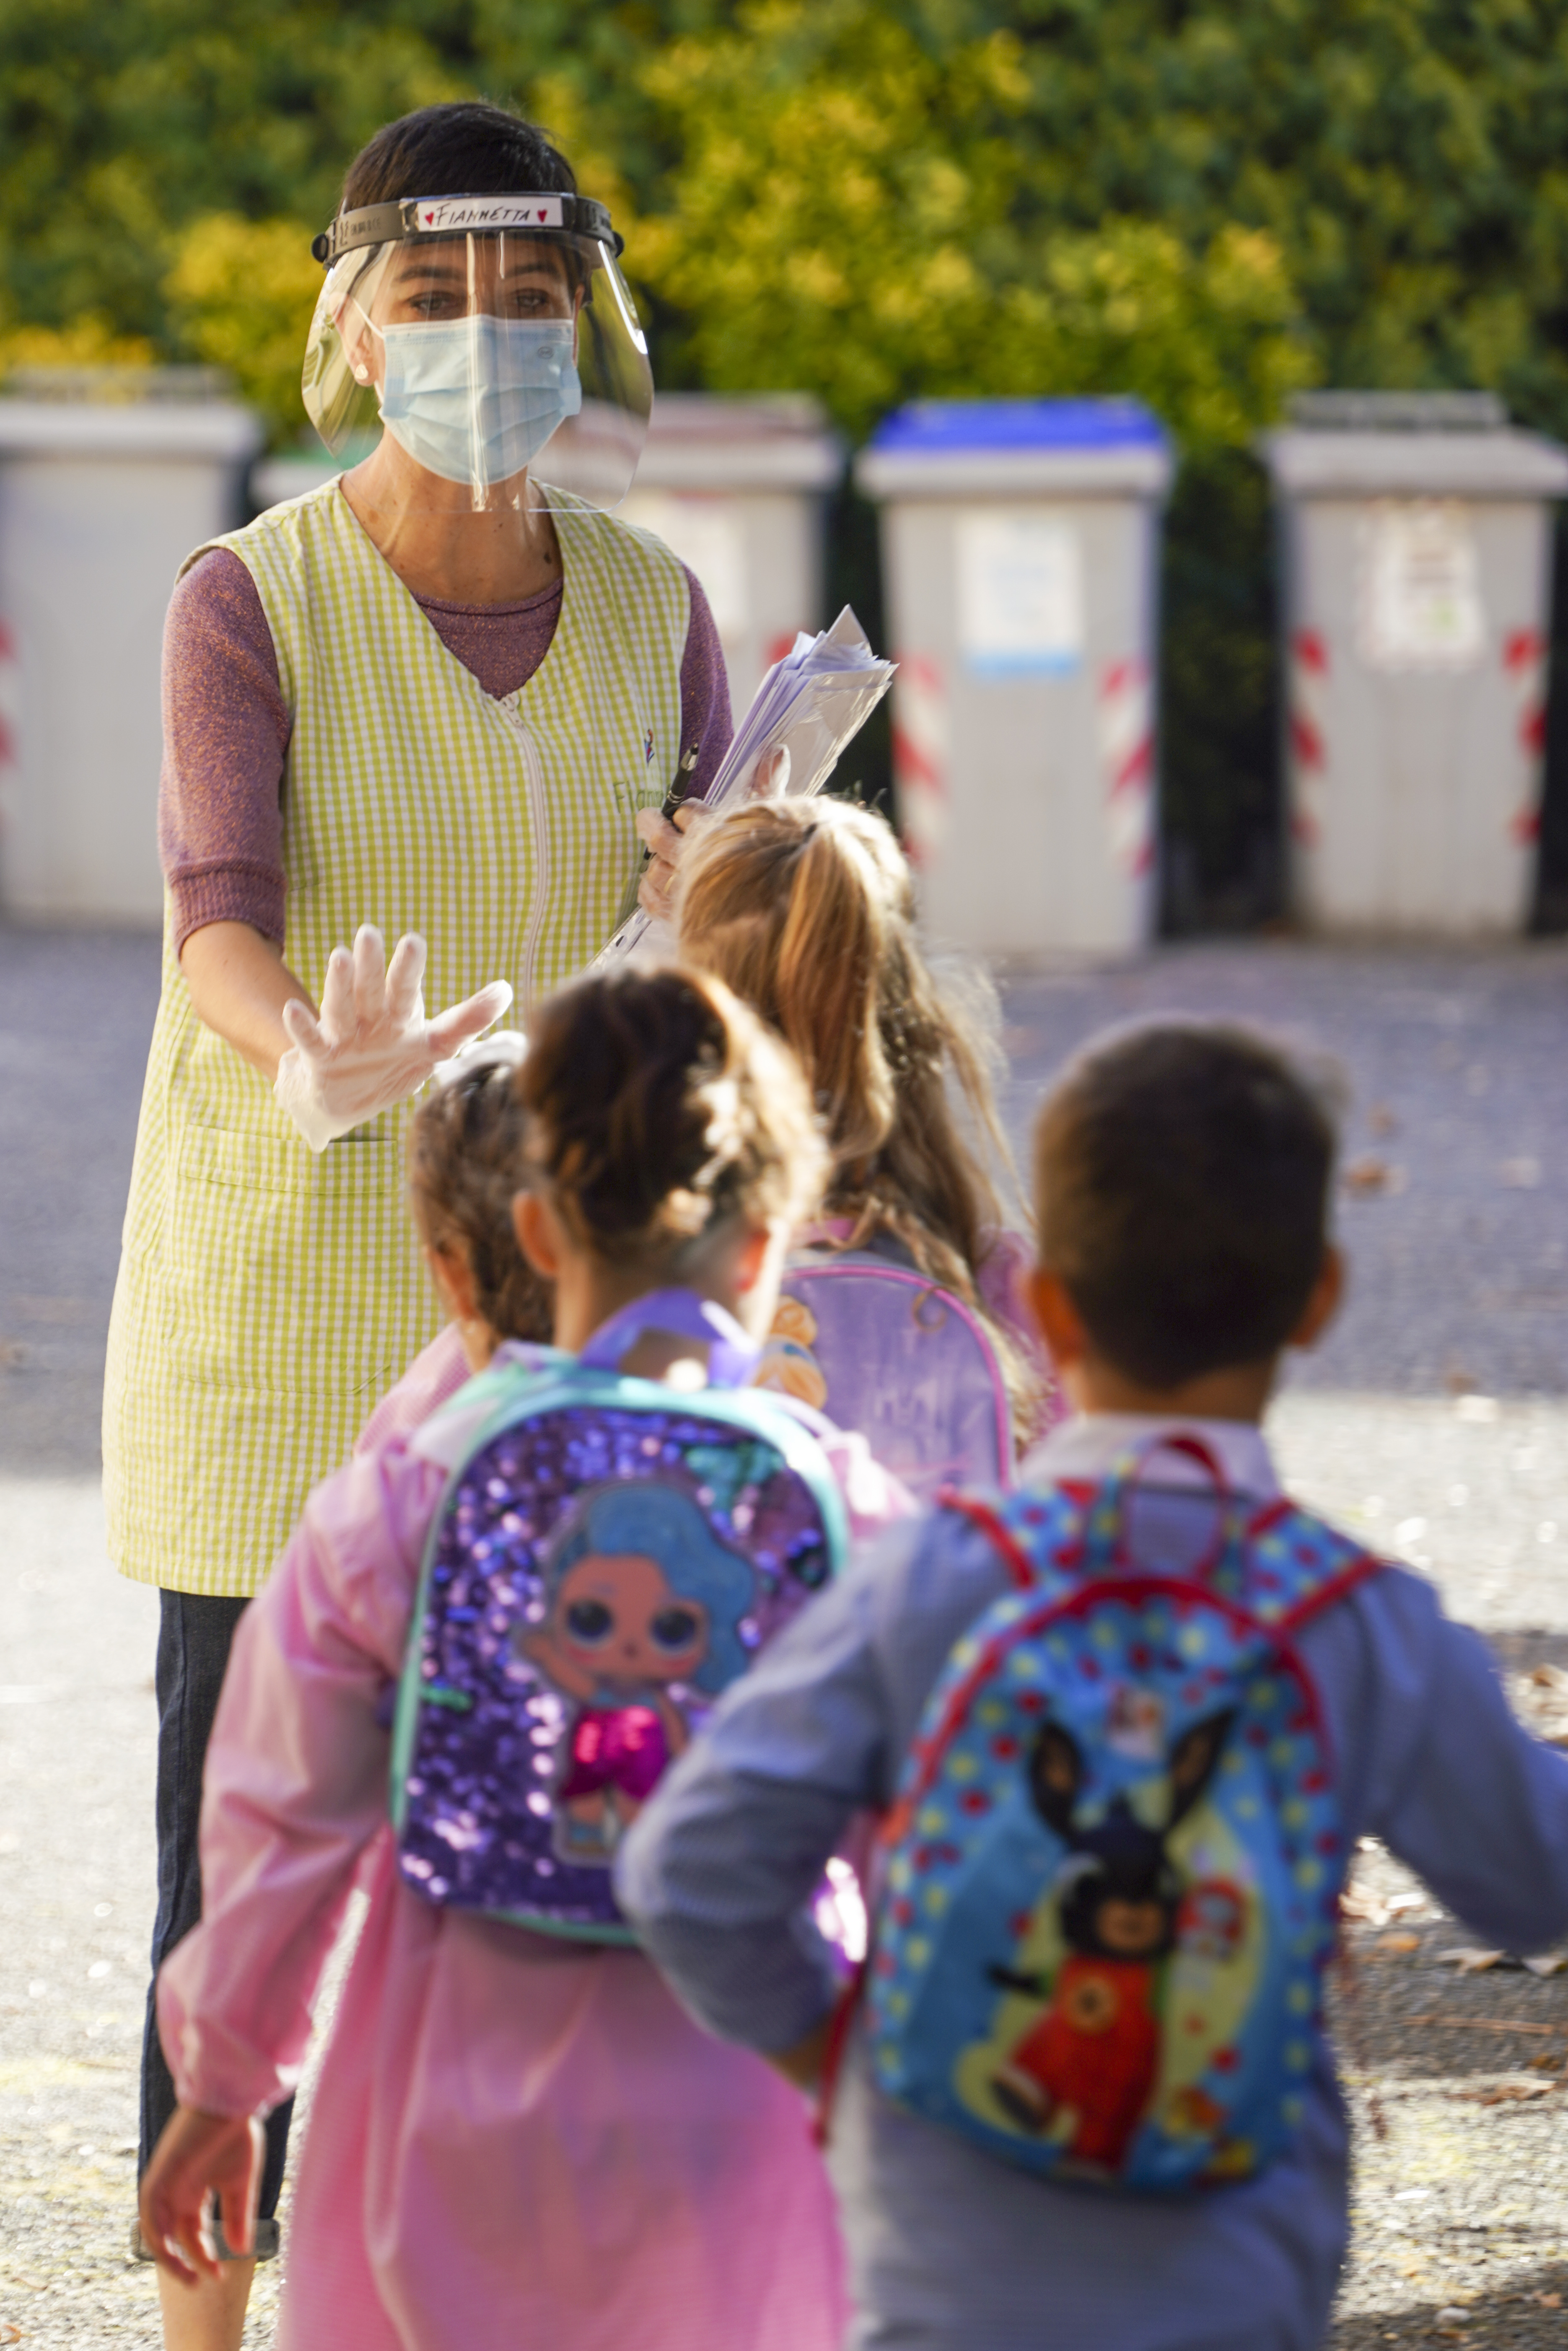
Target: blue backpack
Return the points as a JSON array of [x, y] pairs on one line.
[[1109, 1883], [610, 1554]]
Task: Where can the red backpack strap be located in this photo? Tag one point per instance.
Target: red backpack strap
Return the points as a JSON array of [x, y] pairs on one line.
[[843, 2016], [996, 1530]]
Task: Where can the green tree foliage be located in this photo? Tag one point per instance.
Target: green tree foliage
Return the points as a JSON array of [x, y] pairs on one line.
[[852, 215]]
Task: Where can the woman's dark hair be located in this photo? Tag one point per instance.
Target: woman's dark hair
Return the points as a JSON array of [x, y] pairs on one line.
[[464, 149], [1183, 1172], [659, 1110], [465, 1166]]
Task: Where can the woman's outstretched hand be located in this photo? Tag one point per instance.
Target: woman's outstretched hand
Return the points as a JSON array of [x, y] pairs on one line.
[[372, 1045], [200, 2156]]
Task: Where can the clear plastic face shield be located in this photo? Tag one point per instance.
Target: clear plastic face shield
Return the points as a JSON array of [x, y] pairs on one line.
[[485, 348]]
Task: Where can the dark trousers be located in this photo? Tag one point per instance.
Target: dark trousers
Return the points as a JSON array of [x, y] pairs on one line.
[[194, 1635]]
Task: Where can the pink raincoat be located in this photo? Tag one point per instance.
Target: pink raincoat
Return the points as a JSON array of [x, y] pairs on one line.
[[515, 2141]]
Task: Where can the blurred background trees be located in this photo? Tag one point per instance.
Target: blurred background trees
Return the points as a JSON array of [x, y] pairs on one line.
[[1205, 204]]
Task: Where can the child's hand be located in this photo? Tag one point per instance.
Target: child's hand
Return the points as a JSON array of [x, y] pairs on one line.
[[665, 842], [199, 2156]]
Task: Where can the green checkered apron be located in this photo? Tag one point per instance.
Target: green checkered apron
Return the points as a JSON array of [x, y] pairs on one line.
[[268, 1297]]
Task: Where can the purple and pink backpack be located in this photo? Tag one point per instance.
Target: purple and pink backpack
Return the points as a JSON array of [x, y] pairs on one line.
[[884, 1350], [610, 1553]]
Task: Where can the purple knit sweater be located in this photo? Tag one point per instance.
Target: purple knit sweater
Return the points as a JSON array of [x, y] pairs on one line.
[[226, 726]]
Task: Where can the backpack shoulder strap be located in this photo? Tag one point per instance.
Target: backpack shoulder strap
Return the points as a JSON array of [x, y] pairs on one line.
[[1296, 1565], [1037, 1533]]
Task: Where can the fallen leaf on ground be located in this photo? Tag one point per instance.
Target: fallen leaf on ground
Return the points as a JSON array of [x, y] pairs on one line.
[[1392, 1943], [1484, 2024], [1549, 2301], [1505, 2094], [1365, 1177], [1548, 1963], [1469, 1960]]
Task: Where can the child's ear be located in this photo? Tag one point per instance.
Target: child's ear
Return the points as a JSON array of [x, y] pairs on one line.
[[1060, 1325], [750, 1258], [1327, 1297], [538, 1233], [454, 1280]]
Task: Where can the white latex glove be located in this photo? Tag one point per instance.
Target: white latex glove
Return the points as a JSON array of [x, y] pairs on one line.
[[372, 1045]]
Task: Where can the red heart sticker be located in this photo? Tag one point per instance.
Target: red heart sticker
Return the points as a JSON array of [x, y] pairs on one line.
[[430, 215]]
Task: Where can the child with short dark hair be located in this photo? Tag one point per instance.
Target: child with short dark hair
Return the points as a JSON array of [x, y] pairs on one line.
[[517, 2138], [1146, 1724]]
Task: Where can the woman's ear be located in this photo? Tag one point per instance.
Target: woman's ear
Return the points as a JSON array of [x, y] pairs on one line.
[[538, 1233]]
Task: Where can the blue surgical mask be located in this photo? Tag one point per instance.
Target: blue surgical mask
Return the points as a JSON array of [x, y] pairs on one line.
[[475, 400]]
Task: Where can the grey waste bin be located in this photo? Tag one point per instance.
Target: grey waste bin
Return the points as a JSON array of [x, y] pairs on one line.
[[101, 498], [1415, 553], [1019, 541], [738, 488]]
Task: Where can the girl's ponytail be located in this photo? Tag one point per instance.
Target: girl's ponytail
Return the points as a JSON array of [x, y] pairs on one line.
[[660, 1110], [806, 908]]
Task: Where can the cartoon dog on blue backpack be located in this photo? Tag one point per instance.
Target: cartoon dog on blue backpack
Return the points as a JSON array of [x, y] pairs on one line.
[[1086, 2070]]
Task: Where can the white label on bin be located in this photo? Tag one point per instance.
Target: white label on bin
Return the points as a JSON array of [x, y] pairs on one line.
[[1419, 605], [706, 534], [1020, 594]]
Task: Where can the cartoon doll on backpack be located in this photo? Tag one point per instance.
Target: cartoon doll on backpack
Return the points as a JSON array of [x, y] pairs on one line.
[[644, 1600], [1084, 2072]]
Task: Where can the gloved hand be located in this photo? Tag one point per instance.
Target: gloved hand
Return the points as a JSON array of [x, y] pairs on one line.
[[372, 1045]]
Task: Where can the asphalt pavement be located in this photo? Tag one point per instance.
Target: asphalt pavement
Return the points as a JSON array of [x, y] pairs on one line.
[[1435, 1420]]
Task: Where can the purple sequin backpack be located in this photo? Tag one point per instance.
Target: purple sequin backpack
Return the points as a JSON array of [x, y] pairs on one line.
[[610, 1554]]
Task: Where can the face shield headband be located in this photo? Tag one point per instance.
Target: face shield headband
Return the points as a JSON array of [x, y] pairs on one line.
[[483, 334]]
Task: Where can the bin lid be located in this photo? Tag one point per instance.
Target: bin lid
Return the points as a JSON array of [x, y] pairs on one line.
[[773, 441], [217, 430], [1411, 444], [946, 448]]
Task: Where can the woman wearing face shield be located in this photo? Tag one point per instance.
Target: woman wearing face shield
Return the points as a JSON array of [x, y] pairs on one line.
[[431, 702]]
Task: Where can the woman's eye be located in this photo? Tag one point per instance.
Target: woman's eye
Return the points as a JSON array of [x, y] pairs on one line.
[[674, 1628], [589, 1621]]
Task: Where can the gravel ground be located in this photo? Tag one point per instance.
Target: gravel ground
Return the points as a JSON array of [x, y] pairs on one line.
[[1433, 1421]]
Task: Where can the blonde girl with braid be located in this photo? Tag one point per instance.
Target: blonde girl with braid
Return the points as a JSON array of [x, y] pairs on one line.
[[805, 907]]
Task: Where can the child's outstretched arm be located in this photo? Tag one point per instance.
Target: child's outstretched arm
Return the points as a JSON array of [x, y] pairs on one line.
[[1429, 1758], [295, 1785]]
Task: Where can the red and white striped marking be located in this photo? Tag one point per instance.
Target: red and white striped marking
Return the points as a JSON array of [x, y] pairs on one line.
[[1309, 735], [10, 720], [1524, 656], [1127, 761], [922, 744]]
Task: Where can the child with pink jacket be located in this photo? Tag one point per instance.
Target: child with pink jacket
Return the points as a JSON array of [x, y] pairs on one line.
[[516, 2140]]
